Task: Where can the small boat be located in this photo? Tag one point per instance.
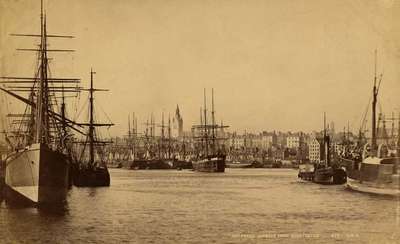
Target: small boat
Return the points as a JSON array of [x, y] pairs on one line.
[[306, 172], [239, 165], [324, 172]]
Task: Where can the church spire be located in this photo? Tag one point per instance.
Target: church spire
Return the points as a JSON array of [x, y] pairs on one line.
[[177, 112]]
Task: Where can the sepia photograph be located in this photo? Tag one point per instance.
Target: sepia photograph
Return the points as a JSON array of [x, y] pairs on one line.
[[200, 121]]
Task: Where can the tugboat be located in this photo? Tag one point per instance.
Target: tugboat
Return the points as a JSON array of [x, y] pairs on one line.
[[210, 159], [86, 171], [324, 172], [37, 170], [377, 172]]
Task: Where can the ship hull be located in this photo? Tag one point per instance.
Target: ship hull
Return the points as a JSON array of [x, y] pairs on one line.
[[330, 176], [306, 172], [37, 175], [151, 164], [374, 188], [210, 165], [91, 177], [324, 175], [181, 164], [380, 179]]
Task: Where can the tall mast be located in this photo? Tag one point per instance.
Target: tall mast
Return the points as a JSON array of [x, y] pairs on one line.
[[134, 131], [213, 120], [162, 135], [205, 123], [201, 115], [129, 128], [162, 126], [147, 127], [63, 116], [151, 127], [201, 123], [91, 120], [398, 138], [392, 132], [42, 120], [326, 144], [169, 136], [374, 100]]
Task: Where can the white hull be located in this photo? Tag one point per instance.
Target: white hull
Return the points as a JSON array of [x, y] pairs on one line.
[[37, 174], [22, 172]]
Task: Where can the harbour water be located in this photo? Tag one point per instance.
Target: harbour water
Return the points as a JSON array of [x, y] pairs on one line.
[[239, 206]]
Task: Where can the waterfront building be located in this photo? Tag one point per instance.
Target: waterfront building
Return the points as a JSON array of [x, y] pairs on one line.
[[293, 141], [314, 150], [268, 140], [281, 139]]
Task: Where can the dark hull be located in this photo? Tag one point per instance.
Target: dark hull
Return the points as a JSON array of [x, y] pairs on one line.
[[124, 164], [37, 174], [151, 164], [181, 164], [2, 179], [329, 176], [210, 165], [324, 175], [2, 175], [91, 177], [352, 167]]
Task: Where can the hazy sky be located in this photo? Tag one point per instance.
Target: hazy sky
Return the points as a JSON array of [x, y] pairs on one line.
[[274, 64]]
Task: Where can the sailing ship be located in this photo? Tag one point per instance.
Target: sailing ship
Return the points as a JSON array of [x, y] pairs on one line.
[[377, 170], [168, 150], [37, 170], [157, 152], [154, 156], [130, 149], [87, 171], [182, 160], [210, 158], [325, 172]]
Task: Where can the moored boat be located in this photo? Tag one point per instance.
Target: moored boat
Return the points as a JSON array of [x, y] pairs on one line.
[[87, 172], [239, 165], [325, 171], [37, 173], [212, 163], [306, 172], [376, 170], [211, 157]]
